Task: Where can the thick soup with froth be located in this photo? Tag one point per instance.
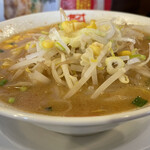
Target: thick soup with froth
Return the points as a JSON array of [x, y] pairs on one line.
[[76, 69]]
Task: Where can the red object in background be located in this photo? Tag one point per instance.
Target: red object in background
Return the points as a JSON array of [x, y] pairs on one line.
[[107, 4], [93, 3], [68, 4]]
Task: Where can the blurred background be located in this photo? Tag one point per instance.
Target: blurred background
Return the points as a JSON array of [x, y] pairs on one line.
[[13, 8]]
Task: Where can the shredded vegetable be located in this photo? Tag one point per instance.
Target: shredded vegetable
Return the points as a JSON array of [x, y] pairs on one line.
[[108, 82]]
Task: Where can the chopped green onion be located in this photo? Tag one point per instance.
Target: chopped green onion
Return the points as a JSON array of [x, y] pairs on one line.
[[60, 47], [3, 82], [138, 101], [48, 108], [11, 100], [112, 52], [23, 88], [1, 51], [142, 57]]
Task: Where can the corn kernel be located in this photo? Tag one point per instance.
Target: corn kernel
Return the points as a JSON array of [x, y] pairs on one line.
[[124, 53], [92, 25], [67, 26], [28, 45], [70, 26], [47, 44], [96, 47]]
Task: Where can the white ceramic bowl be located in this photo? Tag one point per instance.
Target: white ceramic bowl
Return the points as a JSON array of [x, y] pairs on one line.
[[69, 125]]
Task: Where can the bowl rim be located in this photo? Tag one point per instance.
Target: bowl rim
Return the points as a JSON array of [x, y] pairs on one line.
[[75, 121], [118, 13]]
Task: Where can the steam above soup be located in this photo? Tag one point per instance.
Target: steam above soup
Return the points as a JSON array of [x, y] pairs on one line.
[[76, 69]]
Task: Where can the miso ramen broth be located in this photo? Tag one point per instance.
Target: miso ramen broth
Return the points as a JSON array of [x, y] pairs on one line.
[[76, 69]]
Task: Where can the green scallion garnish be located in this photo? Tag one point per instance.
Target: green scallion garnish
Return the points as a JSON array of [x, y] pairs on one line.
[[140, 102], [23, 88], [11, 100], [1, 51], [142, 57], [3, 82], [48, 108]]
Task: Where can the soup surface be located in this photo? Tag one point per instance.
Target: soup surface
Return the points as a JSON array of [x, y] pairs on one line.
[[76, 69]]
